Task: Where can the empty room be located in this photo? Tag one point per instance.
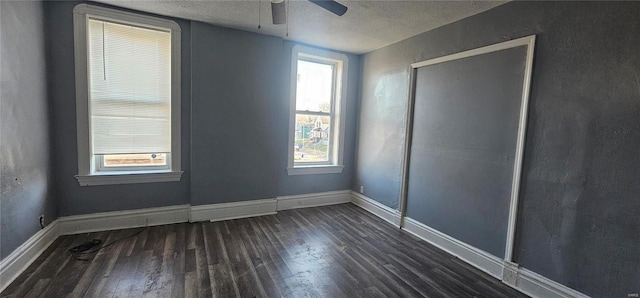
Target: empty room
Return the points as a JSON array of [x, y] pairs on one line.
[[319, 148]]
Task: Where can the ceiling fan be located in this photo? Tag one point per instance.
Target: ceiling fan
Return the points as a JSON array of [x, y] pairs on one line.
[[279, 11]]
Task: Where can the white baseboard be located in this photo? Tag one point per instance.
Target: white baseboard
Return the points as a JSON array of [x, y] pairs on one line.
[[484, 261], [536, 285], [126, 219], [384, 212], [225, 211], [25, 254], [314, 199], [519, 278]]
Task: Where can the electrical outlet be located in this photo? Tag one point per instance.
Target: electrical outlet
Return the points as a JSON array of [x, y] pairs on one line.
[[41, 218], [361, 189]]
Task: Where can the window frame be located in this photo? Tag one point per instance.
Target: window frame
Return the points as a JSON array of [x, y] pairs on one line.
[[89, 173], [337, 113]]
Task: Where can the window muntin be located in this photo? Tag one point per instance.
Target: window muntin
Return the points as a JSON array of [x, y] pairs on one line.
[[127, 96]]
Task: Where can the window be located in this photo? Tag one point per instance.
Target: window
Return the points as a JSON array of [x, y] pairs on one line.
[[318, 92], [127, 97]]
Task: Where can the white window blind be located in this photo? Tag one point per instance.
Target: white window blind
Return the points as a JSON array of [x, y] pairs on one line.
[[129, 88]]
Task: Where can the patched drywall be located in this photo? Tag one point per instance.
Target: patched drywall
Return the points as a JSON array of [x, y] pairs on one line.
[[26, 184], [579, 212], [237, 82]]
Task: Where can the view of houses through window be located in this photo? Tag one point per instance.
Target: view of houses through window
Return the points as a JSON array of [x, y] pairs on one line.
[[134, 160], [314, 111]]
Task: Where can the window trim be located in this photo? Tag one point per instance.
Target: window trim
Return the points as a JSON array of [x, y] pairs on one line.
[[339, 105], [87, 175]]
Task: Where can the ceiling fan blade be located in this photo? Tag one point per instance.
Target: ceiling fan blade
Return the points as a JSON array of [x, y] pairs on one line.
[[331, 6], [278, 12]]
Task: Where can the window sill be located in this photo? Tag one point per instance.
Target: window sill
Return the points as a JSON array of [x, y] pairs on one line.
[[313, 170], [109, 178]]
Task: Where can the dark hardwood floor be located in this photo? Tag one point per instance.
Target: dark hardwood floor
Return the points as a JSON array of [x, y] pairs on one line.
[[332, 251]]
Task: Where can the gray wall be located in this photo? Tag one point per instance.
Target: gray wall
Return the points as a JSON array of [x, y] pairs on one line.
[[579, 208], [463, 146], [237, 78], [381, 125], [234, 146], [240, 119], [26, 183], [72, 198]]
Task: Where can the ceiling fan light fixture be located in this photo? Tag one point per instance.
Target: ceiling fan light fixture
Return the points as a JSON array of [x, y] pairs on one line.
[[278, 12], [332, 6]]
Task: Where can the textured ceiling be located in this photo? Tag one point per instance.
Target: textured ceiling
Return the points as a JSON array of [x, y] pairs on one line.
[[367, 25]]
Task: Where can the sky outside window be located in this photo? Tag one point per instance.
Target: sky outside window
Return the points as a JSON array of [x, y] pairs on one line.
[[314, 88]]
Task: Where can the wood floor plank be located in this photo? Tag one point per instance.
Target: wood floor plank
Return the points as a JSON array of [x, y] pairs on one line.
[[165, 280], [137, 285], [259, 260], [39, 287], [124, 285], [23, 279], [203, 281], [178, 290], [190, 284], [331, 251], [122, 276], [152, 275], [244, 273], [68, 271], [297, 278], [221, 277], [45, 269], [88, 276], [361, 271], [335, 257], [191, 236], [275, 266], [102, 277]]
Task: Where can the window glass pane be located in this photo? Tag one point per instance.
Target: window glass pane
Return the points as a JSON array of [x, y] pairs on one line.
[[135, 160], [312, 138], [314, 86]]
